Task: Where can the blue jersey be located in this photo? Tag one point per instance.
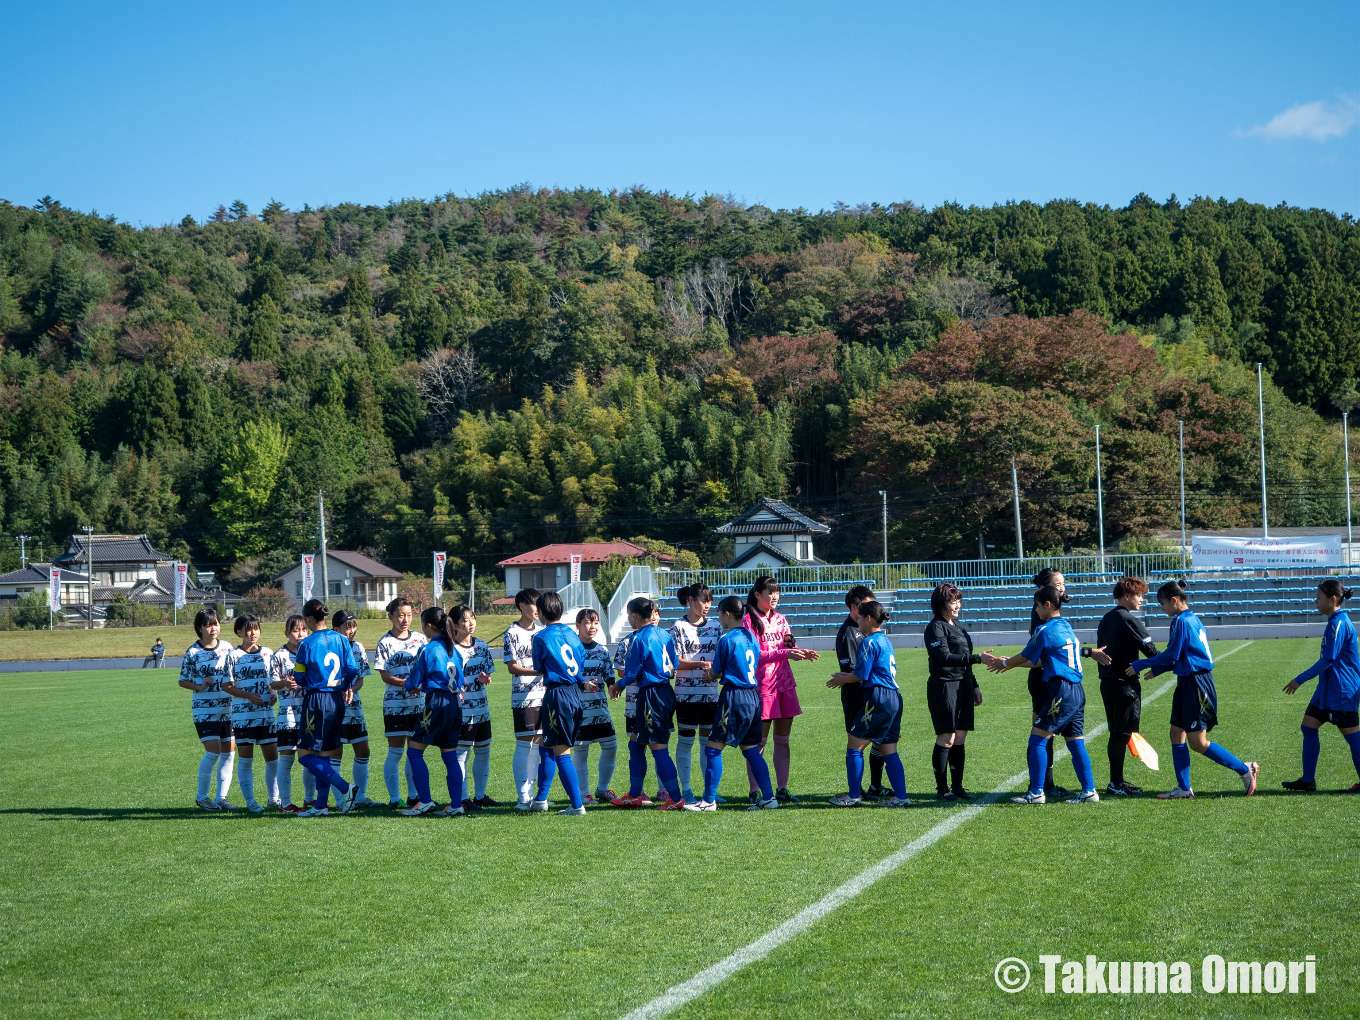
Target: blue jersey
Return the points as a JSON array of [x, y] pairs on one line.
[[1055, 647], [651, 658], [558, 655], [325, 661], [736, 659], [1338, 670], [1186, 652], [876, 665], [435, 669]]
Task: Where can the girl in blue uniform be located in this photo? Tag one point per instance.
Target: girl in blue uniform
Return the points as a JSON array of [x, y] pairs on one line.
[[1338, 689], [651, 664], [438, 673], [325, 670], [1054, 647], [880, 719], [1195, 709], [558, 656]]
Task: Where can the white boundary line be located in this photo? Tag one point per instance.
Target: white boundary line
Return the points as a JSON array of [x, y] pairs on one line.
[[710, 977]]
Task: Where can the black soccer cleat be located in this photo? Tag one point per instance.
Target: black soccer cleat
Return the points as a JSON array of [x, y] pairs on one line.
[[963, 794], [1300, 785]]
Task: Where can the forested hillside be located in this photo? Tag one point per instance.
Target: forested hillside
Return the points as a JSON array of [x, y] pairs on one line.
[[486, 374]]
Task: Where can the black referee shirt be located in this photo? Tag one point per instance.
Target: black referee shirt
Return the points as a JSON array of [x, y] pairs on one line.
[[950, 651], [848, 640], [1125, 640]]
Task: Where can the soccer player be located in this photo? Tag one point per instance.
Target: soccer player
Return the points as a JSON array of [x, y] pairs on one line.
[[696, 688], [637, 753], [848, 639], [597, 727], [324, 668], [778, 689], [1194, 712], [1120, 639], [558, 654], [1038, 685], [1338, 690], [952, 692], [1054, 647], [650, 665], [880, 719], [438, 672], [736, 720], [354, 730], [526, 694], [204, 671], [396, 654], [288, 722], [252, 714], [478, 665]]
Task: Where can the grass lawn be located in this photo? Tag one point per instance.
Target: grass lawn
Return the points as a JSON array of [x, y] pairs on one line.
[[121, 642], [119, 899]]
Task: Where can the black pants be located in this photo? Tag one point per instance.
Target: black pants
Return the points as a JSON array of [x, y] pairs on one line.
[[1123, 699]]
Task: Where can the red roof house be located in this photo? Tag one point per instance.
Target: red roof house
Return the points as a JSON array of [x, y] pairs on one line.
[[548, 567]]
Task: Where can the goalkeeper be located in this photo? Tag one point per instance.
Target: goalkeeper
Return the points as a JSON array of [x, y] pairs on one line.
[[1120, 640]]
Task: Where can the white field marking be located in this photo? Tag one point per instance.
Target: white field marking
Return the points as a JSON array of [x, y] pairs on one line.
[[680, 994]]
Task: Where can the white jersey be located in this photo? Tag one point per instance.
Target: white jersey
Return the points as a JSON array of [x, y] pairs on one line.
[[354, 711], [525, 691], [290, 702], [396, 656], [477, 658], [597, 667], [208, 665], [629, 692], [696, 641], [253, 672]]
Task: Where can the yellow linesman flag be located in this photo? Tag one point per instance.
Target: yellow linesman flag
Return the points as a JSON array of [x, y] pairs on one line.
[[1143, 751]]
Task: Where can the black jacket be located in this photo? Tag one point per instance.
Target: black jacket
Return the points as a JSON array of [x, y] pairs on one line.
[[1125, 640], [950, 651]]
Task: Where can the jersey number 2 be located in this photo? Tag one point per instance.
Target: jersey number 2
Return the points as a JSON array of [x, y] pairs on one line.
[[331, 662]]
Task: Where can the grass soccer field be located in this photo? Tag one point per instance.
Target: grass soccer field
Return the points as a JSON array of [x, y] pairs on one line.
[[119, 899]]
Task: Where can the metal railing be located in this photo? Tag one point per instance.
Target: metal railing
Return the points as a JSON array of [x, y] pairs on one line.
[[578, 595], [639, 580]]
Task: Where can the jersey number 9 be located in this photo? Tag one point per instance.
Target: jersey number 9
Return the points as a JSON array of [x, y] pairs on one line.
[[569, 660]]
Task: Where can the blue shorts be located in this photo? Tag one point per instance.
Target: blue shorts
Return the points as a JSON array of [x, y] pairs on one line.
[[1064, 710], [1194, 705], [736, 721], [441, 721], [561, 716], [880, 719], [323, 711], [655, 711]]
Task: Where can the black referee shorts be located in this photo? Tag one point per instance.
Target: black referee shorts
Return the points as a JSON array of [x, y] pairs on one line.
[[1123, 698], [951, 704]]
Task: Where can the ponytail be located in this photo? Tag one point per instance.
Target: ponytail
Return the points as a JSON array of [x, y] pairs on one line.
[[1333, 588], [1177, 589], [1050, 594], [439, 620]]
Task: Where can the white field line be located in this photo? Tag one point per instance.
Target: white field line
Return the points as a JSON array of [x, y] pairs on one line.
[[678, 995]]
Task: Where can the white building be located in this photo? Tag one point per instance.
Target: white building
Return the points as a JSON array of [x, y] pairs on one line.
[[354, 577], [772, 534]]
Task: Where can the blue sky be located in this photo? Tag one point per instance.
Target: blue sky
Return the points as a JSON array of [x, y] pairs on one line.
[[154, 111]]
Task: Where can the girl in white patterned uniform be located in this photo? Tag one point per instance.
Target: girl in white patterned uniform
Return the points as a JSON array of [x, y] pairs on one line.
[[696, 689], [252, 712], [478, 665], [396, 654], [597, 727], [354, 728], [288, 722], [526, 694], [203, 672]]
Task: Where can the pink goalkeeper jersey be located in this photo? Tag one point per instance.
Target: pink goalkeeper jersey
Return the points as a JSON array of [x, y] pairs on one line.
[[774, 672]]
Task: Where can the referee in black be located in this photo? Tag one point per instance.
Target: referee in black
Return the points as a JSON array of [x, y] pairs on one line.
[[1038, 688], [848, 639], [951, 690], [1120, 640]]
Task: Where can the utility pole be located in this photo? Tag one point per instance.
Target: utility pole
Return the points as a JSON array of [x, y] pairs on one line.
[[23, 558], [1181, 426], [1015, 498], [1261, 418], [472, 591], [89, 573], [1100, 503], [1346, 452], [884, 495], [325, 574]]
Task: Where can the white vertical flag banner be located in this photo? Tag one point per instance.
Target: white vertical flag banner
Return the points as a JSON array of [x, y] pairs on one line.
[[308, 575], [54, 588], [181, 584], [439, 560], [576, 567]]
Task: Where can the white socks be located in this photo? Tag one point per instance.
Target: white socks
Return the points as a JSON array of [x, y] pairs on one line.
[[224, 764], [526, 769], [462, 767], [286, 777], [684, 748], [481, 768], [361, 776], [392, 773], [580, 761], [206, 766], [271, 781], [609, 749], [245, 779]]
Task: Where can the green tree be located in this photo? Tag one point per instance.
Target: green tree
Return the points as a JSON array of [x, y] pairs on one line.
[[248, 477], [261, 340]]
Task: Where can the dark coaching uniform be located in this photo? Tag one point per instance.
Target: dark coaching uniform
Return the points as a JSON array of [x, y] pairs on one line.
[[949, 690], [880, 719], [557, 657], [736, 722], [1125, 639], [848, 640]]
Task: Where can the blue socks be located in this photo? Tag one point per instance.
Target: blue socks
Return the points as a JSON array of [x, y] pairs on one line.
[[547, 768], [421, 773], [570, 781], [762, 771], [892, 765], [1354, 740], [1220, 755], [1038, 763], [637, 767], [1081, 762], [713, 772], [324, 770], [1312, 747], [854, 771], [455, 778], [665, 771], [1180, 758]]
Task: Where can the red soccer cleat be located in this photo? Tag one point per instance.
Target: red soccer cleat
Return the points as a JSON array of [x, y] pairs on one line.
[[292, 809], [642, 800], [671, 805]]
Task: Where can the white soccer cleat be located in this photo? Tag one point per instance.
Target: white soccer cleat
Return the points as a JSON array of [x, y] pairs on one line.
[[1087, 797], [452, 811], [1177, 794], [277, 805], [226, 805], [348, 800], [703, 805], [1030, 798], [523, 805], [207, 804], [538, 805], [366, 803], [573, 810], [765, 805], [1249, 778], [845, 800], [254, 808], [897, 802], [314, 812], [419, 809]]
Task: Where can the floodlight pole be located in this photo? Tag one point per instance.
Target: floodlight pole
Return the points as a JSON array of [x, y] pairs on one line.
[[1015, 498], [1180, 425], [1346, 453], [884, 496], [1100, 503], [325, 574], [23, 556], [1261, 420]]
